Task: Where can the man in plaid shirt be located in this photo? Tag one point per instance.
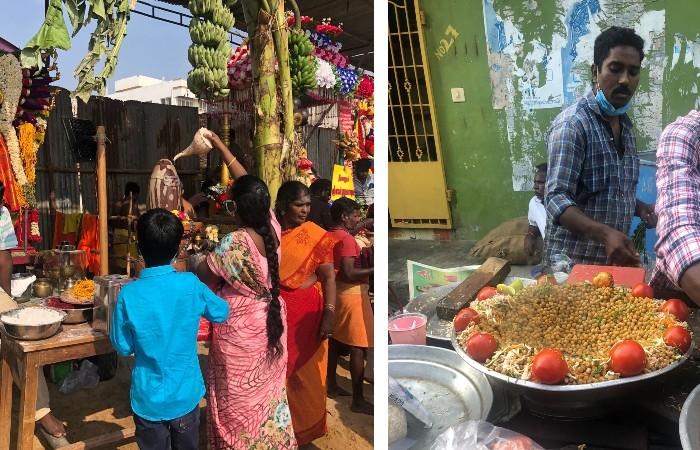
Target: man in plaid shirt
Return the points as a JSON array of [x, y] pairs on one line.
[[678, 186], [593, 162]]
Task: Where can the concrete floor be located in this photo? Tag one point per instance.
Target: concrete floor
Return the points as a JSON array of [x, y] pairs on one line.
[[442, 253]]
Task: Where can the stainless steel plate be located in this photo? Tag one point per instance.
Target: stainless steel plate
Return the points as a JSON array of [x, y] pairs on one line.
[[446, 386], [689, 420]]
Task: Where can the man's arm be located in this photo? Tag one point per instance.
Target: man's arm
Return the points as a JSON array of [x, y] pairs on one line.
[[566, 158]]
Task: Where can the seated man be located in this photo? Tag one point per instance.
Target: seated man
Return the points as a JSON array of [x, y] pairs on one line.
[[678, 186], [536, 213], [47, 421]]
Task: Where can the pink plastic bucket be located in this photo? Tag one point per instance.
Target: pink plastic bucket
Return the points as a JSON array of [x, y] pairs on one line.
[[408, 328]]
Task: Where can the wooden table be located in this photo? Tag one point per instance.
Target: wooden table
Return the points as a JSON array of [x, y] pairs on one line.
[[71, 342]]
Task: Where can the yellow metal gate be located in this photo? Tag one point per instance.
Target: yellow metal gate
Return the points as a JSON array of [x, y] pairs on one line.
[[417, 189]]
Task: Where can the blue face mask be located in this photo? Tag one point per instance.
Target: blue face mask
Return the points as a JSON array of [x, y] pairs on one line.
[[606, 107]]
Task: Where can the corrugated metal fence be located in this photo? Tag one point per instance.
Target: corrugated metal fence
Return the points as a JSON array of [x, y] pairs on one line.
[[140, 135]]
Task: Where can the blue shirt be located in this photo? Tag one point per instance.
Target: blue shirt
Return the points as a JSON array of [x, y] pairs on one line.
[[585, 170], [157, 318]]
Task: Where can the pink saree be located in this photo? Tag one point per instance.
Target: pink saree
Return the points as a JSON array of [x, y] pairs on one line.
[[246, 396]]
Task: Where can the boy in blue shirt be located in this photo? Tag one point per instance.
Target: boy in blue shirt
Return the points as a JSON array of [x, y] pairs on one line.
[[156, 318]]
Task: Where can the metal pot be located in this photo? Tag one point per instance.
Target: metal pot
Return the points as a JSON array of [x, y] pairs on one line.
[[29, 332], [572, 400], [688, 423], [42, 288]]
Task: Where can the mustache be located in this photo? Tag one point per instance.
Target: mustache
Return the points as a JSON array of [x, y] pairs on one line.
[[622, 90]]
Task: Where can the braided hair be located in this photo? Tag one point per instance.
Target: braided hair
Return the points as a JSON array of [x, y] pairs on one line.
[[253, 209]]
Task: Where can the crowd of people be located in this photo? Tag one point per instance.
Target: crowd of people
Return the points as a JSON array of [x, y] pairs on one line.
[[280, 291]]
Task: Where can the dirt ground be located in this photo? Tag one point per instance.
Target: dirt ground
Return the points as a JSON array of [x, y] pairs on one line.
[[105, 409]]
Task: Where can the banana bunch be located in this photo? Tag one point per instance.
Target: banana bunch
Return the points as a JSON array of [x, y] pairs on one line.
[[223, 17], [206, 33], [210, 50], [302, 65], [204, 79], [200, 55]]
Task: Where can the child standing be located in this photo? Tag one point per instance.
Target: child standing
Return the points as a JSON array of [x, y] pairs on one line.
[[156, 318]]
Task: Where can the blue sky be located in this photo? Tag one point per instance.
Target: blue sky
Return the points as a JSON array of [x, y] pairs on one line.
[[152, 48]]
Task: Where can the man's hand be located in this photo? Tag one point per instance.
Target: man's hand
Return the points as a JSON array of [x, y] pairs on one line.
[[619, 249], [647, 214]]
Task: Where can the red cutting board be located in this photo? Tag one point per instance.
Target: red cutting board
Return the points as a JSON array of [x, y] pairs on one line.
[[622, 276]]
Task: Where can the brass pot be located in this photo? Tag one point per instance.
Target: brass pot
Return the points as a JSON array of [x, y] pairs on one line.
[[68, 270], [43, 288]]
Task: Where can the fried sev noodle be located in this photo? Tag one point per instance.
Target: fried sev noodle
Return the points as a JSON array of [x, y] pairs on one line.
[[582, 321]]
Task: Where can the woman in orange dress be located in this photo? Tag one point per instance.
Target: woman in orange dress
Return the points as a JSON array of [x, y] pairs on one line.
[[307, 281], [354, 326]]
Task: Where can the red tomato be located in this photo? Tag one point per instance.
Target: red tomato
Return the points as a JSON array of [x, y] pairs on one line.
[[549, 366], [677, 308], [603, 279], [643, 290], [678, 337], [464, 318], [627, 358], [486, 292], [481, 346]]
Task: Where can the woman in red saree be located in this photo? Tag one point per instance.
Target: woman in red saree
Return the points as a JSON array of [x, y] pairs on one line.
[[247, 404], [307, 281]]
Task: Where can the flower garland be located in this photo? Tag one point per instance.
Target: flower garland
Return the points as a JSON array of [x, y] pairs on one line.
[[325, 77], [366, 87], [27, 136], [240, 68], [347, 81], [11, 86]]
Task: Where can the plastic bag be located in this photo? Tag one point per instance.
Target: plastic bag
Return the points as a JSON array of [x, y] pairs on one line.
[[560, 263], [86, 377], [480, 435]]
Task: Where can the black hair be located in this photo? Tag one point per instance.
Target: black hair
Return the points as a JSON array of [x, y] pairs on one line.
[[2, 193], [252, 199], [159, 234], [320, 186], [131, 187], [288, 193], [615, 37], [363, 165], [343, 206], [541, 168]]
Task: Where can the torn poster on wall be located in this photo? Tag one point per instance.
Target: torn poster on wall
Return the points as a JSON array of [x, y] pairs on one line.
[[532, 67]]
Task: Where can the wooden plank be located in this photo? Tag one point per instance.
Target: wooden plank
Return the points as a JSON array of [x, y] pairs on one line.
[[67, 336], [5, 399], [27, 405], [98, 441], [490, 273]]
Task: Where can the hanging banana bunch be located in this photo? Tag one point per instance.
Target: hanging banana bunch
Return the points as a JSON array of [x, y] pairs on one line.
[[302, 65], [210, 48]]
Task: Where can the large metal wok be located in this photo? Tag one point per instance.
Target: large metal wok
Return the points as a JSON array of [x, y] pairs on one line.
[[570, 401]]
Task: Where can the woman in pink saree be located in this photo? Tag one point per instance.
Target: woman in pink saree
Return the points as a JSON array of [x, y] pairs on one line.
[[246, 398]]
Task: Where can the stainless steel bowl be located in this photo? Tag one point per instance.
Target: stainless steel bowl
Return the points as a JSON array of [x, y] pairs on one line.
[[76, 315], [30, 332], [688, 423], [574, 400]]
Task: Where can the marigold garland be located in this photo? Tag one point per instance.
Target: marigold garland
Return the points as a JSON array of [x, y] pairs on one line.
[[26, 134]]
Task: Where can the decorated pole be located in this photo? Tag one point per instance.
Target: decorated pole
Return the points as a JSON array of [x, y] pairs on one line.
[[102, 198], [225, 138]]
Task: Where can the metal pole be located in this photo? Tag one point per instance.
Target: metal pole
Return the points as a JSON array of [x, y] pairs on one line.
[[102, 199]]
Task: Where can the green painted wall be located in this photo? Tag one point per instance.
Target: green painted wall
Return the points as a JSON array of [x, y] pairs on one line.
[[477, 154]]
